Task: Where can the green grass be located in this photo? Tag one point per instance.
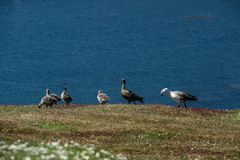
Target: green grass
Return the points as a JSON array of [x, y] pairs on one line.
[[138, 132], [53, 150], [54, 126]]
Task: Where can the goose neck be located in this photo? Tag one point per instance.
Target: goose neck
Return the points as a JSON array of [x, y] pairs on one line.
[[123, 86], [47, 92]]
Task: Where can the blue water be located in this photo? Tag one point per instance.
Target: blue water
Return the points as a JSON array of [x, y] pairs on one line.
[[89, 45]]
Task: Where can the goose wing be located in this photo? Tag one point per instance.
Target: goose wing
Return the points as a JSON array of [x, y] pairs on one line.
[[137, 97], [56, 96], [185, 96], [103, 97], [128, 94], [67, 98], [48, 100]]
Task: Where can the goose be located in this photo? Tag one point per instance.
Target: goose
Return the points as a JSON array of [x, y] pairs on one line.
[[102, 97], [178, 96], [67, 98], [48, 93], [47, 101], [129, 95]]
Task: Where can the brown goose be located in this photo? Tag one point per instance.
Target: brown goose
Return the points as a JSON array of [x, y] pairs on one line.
[[67, 98], [129, 95]]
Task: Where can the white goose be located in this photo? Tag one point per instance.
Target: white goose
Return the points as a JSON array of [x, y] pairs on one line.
[[102, 97], [178, 96], [47, 100], [48, 93]]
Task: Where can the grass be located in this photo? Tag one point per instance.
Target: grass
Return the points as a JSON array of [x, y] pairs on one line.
[[52, 151], [138, 132]]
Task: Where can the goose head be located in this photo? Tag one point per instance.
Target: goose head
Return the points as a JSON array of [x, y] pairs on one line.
[[100, 91], [123, 81], [165, 91]]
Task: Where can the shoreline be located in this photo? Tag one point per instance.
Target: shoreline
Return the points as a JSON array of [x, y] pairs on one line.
[[121, 104]]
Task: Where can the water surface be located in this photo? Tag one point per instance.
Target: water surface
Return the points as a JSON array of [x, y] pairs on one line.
[[90, 45]]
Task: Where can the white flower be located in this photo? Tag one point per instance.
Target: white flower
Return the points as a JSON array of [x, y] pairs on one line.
[[66, 145], [64, 157], [104, 152], [77, 156], [51, 156], [97, 155], [54, 150], [55, 144], [121, 157], [27, 158]]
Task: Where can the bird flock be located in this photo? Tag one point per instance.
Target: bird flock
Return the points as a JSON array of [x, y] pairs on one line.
[[50, 98], [179, 97]]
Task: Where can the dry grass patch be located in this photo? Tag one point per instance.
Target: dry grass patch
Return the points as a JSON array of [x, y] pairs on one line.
[[139, 132]]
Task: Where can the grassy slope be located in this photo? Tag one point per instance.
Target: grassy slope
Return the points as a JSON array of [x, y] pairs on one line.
[[139, 132]]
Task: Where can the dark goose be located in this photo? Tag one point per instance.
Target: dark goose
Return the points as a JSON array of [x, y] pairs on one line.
[[67, 98], [129, 95]]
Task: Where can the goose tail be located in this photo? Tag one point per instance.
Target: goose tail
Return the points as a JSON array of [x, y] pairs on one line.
[[194, 98], [39, 105], [141, 99]]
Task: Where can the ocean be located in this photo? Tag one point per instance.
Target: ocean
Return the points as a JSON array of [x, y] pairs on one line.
[[87, 45]]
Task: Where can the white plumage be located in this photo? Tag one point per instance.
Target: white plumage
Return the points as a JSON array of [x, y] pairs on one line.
[[48, 93], [47, 100], [102, 97], [178, 96]]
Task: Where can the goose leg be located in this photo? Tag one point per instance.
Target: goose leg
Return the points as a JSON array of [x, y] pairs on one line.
[[134, 102], [129, 102], [185, 105], [178, 105]]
